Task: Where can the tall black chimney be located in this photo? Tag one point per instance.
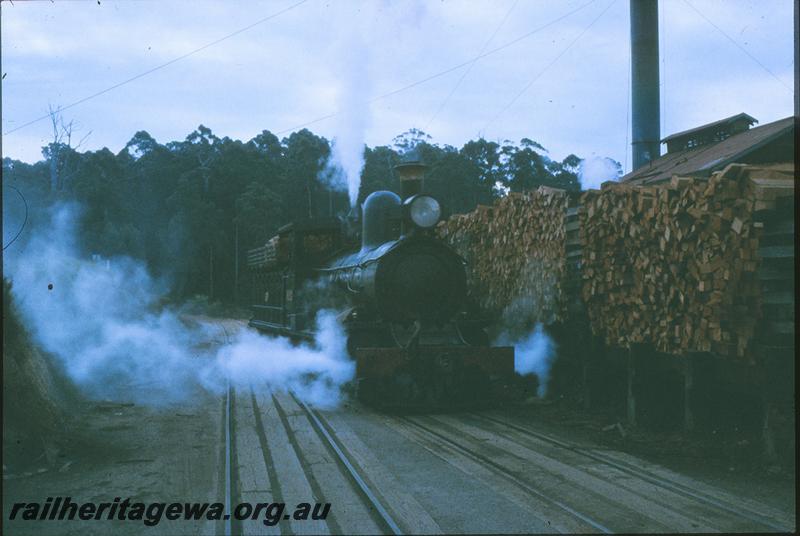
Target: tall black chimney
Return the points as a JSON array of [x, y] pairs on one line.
[[644, 82], [796, 60]]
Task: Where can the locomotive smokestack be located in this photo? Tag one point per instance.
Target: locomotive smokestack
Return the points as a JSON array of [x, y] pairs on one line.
[[645, 106], [412, 171]]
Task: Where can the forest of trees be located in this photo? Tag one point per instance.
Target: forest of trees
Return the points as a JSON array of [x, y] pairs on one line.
[[182, 207]]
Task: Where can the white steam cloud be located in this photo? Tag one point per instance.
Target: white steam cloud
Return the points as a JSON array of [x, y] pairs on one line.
[[595, 170], [348, 146], [103, 323], [312, 373], [533, 354], [344, 167]]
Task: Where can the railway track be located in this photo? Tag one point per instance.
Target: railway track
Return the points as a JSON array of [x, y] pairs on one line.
[[228, 427], [329, 435], [508, 474], [668, 500], [385, 474], [272, 422], [743, 511], [603, 493], [306, 460]]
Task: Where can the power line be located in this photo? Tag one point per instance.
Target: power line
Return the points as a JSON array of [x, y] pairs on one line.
[[471, 65], [448, 70], [25, 222], [159, 67], [539, 75], [740, 47]]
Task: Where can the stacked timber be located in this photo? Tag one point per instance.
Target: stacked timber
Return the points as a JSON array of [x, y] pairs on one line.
[[772, 189], [266, 255], [675, 265], [515, 253], [573, 253]]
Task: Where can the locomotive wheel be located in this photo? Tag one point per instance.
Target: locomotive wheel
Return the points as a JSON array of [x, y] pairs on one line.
[[472, 335], [365, 338], [369, 390], [409, 392], [403, 336]]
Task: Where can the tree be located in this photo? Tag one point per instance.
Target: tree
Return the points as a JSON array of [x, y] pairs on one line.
[[305, 157], [378, 173], [60, 153], [410, 139], [187, 207]]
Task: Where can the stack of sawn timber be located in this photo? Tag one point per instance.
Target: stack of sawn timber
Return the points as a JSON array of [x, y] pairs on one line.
[[515, 253], [773, 191], [676, 265], [266, 255], [574, 258]]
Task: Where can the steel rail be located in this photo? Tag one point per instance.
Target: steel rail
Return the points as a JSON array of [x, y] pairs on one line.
[[228, 464], [647, 476], [326, 432], [228, 449], [509, 475]]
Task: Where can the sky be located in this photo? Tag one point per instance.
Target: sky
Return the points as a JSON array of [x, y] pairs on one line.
[[566, 85]]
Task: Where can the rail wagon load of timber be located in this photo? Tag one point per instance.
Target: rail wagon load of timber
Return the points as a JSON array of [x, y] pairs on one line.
[[516, 253], [682, 266], [400, 294]]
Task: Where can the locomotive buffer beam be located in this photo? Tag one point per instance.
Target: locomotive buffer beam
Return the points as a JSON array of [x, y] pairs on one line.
[[432, 375]]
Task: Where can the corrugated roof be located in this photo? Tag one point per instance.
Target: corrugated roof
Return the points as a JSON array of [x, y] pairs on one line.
[[725, 121], [705, 159]]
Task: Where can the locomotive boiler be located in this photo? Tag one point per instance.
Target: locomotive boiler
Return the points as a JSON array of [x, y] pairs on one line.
[[400, 292]]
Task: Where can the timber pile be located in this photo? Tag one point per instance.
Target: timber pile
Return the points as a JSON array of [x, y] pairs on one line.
[[277, 250], [773, 192], [574, 252], [266, 255], [515, 253], [676, 265]]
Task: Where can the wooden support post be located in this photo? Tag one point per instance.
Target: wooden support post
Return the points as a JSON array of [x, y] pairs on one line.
[[589, 355], [586, 390], [236, 267], [768, 431], [688, 386], [631, 393]]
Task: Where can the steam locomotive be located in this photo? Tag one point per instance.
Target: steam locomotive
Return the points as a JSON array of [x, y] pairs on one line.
[[401, 293]]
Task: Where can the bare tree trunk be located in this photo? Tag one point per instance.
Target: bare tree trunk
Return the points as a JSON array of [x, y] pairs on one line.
[[236, 268], [54, 150], [310, 209], [210, 272], [61, 132], [54, 168]]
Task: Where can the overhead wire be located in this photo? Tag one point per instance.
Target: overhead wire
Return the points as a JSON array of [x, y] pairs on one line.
[[163, 65], [446, 71], [737, 45], [24, 222], [540, 73], [471, 65]]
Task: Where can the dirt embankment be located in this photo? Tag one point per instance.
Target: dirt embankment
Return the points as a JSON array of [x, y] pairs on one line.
[[38, 401]]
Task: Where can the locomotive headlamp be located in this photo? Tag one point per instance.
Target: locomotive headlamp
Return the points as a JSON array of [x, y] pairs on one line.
[[424, 211]]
